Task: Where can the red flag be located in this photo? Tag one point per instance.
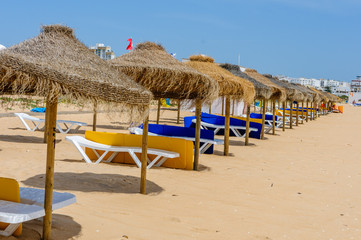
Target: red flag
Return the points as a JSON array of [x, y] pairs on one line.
[[130, 46]]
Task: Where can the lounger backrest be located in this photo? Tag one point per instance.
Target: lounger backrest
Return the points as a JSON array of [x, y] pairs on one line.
[[9, 191]]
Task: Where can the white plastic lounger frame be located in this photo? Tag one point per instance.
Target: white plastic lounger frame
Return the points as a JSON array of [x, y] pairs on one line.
[[205, 143], [233, 128], [68, 125], [79, 142], [31, 207]]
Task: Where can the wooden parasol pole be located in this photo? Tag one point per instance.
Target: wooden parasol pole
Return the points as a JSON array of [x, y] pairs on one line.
[[291, 114], [247, 124], [263, 117], [307, 111], [178, 110], [51, 108], [143, 170], [46, 122], [284, 116], [197, 134], [273, 117], [158, 112], [297, 114], [302, 112], [226, 126], [95, 116]]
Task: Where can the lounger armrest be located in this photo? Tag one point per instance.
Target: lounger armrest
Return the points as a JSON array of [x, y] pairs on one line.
[[12, 212]]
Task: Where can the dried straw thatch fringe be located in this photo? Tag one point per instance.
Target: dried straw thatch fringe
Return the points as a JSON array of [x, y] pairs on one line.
[[293, 94], [323, 96], [229, 84], [151, 66], [262, 91], [55, 63], [279, 93]]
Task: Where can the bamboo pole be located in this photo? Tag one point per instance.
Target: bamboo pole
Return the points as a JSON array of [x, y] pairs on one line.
[[291, 114], [263, 117], [297, 114], [178, 111], [307, 111], [247, 124], [143, 170], [95, 116], [284, 116], [158, 112], [46, 123], [51, 107], [197, 134], [302, 112], [226, 126]]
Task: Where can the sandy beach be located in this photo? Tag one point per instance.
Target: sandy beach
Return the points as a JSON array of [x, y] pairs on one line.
[[303, 183]]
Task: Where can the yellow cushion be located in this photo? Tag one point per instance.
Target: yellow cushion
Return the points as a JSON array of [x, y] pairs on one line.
[[181, 146], [9, 191], [255, 120]]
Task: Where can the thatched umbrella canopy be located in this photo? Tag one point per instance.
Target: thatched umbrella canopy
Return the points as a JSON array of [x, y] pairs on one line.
[[55, 63], [293, 94], [261, 90], [229, 84], [153, 67], [322, 95], [307, 94], [279, 93]]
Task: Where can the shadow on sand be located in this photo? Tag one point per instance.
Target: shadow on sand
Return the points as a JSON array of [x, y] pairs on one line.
[[92, 182], [63, 227], [23, 139]]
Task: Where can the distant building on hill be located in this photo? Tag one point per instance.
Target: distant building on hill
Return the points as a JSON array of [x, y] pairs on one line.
[[104, 52], [2, 47]]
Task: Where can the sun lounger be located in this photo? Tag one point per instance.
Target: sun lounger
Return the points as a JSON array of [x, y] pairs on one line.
[[234, 128], [205, 143], [68, 125], [79, 142], [31, 205]]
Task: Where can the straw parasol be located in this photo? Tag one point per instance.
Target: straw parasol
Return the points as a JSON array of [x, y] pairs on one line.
[[261, 90], [279, 93], [150, 65], [292, 93], [153, 67], [55, 63], [230, 86]]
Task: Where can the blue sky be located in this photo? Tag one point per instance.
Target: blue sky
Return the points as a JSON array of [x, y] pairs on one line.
[[298, 38]]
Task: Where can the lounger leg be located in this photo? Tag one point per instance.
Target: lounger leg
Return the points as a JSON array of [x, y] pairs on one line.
[[235, 131], [153, 162], [9, 230], [135, 158], [215, 131], [161, 162], [85, 157], [205, 147]]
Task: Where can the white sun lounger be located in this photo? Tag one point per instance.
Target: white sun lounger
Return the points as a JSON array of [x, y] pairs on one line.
[[233, 128], [68, 125], [205, 143], [79, 142], [31, 207]]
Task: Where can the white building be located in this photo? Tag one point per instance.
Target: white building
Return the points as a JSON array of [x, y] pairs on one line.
[[104, 52], [2, 47]]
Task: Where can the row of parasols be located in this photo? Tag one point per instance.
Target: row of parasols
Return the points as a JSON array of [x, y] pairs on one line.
[[56, 64]]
